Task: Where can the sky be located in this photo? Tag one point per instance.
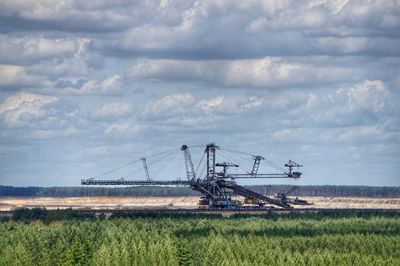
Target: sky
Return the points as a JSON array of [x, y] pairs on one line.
[[89, 86]]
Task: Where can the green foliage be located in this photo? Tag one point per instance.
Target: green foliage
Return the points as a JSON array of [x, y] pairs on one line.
[[275, 240]]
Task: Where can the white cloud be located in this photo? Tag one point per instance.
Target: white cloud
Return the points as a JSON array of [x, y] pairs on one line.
[[177, 112], [364, 103], [111, 85], [75, 63], [12, 75], [113, 111], [223, 105], [61, 67], [341, 137], [209, 104], [169, 106], [266, 72], [122, 129], [14, 108], [367, 95], [27, 115], [360, 134], [27, 50], [357, 104]]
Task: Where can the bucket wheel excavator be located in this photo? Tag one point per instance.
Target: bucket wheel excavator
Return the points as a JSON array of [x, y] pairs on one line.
[[218, 185]]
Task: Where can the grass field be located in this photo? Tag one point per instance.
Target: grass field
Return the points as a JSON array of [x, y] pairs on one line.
[[277, 240]]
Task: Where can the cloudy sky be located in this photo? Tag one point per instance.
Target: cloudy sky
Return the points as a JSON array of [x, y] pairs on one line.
[[87, 86]]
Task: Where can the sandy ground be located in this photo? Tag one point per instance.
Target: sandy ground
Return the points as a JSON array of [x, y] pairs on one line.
[[10, 203], [356, 203]]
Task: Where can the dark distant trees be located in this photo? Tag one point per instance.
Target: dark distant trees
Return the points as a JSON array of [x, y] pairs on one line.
[[332, 191], [10, 191], [326, 191], [47, 216]]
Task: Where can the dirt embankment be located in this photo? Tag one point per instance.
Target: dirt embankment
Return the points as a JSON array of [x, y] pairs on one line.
[[10, 203]]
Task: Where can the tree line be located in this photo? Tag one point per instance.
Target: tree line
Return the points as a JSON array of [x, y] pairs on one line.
[[332, 191], [48, 216], [326, 191]]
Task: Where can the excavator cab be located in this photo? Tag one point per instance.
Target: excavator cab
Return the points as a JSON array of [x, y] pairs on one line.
[[203, 203]]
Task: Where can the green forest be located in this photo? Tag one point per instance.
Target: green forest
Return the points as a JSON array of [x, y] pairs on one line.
[[296, 239]]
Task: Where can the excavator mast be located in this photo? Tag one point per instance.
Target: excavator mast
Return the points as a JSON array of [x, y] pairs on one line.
[[190, 174]]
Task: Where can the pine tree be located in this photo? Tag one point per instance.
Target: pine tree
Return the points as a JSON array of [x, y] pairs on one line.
[[18, 256], [102, 257]]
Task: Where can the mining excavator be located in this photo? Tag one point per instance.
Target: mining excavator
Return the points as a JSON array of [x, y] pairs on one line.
[[284, 197], [218, 185]]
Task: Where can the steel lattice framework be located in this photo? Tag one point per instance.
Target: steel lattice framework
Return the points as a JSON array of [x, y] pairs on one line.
[[218, 185]]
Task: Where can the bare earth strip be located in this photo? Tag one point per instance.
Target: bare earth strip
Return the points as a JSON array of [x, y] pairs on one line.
[[10, 203]]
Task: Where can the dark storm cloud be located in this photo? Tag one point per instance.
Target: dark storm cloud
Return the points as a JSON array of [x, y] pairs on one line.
[[266, 43], [218, 30], [230, 30], [68, 16], [15, 22], [71, 16]]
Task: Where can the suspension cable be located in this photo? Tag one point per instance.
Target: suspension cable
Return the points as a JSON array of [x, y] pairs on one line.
[[202, 170], [229, 157], [180, 166], [245, 158], [270, 163], [201, 160], [134, 172], [165, 163], [132, 162], [236, 151], [197, 146], [240, 158], [117, 168], [273, 165], [165, 154]]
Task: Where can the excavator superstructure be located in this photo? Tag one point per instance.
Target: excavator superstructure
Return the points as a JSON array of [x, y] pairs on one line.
[[218, 186]]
